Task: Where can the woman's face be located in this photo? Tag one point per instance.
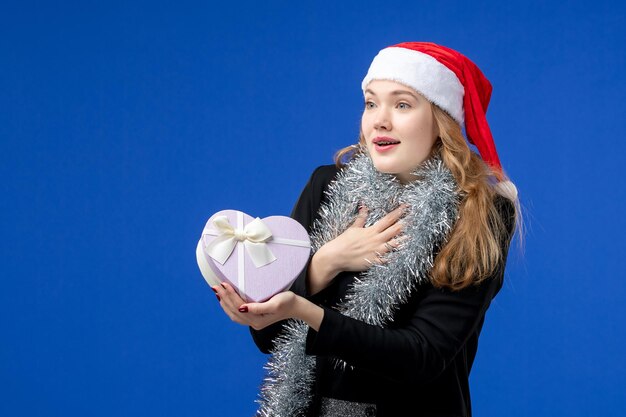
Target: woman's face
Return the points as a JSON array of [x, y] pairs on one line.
[[398, 128]]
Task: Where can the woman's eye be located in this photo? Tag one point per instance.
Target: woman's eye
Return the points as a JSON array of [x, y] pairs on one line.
[[369, 105], [404, 105]]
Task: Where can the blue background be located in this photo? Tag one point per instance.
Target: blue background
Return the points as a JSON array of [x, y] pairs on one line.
[[125, 125]]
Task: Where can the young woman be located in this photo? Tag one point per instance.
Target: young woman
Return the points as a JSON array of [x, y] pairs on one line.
[[410, 232]]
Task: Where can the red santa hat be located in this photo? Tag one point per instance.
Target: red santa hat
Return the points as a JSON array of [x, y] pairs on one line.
[[451, 81]]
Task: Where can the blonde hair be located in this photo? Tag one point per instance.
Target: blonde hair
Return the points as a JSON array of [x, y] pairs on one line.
[[473, 250]]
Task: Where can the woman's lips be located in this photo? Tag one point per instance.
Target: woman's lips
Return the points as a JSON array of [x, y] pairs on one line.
[[385, 143], [384, 148]]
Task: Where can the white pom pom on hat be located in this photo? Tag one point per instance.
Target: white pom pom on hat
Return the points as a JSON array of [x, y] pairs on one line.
[[451, 81]]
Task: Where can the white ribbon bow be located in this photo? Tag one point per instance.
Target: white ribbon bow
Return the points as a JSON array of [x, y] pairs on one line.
[[253, 236]]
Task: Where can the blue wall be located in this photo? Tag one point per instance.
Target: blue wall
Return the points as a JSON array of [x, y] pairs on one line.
[[125, 125]]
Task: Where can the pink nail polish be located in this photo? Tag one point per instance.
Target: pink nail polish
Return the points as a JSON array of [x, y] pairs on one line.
[[243, 309]]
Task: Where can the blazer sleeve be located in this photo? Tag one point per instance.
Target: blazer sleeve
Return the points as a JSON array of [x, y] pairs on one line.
[[305, 212], [419, 351]]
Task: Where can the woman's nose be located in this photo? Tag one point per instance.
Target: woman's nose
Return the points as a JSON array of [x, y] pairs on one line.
[[382, 120]]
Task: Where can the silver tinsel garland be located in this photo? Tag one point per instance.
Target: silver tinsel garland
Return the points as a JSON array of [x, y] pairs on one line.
[[377, 292]]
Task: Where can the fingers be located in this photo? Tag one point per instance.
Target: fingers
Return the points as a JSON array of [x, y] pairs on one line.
[[255, 315], [392, 231], [395, 243], [390, 246], [361, 218], [398, 241], [258, 308], [276, 305], [382, 224], [229, 296], [378, 259], [230, 301], [390, 218]]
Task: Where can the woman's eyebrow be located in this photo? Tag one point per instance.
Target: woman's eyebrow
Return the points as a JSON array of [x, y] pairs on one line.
[[395, 93], [399, 92]]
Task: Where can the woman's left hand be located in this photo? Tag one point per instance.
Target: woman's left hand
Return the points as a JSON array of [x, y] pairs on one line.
[[282, 306], [256, 315]]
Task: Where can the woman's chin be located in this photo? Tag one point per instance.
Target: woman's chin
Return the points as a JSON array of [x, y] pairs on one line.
[[402, 177], [383, 168]]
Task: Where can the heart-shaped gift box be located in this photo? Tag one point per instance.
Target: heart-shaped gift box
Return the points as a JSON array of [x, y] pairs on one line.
[[259, 257]]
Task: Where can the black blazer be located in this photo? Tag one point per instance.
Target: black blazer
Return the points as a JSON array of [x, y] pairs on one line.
[[419, 365]]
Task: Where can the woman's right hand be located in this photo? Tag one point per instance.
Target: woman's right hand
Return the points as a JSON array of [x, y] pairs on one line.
[[357, 248]]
